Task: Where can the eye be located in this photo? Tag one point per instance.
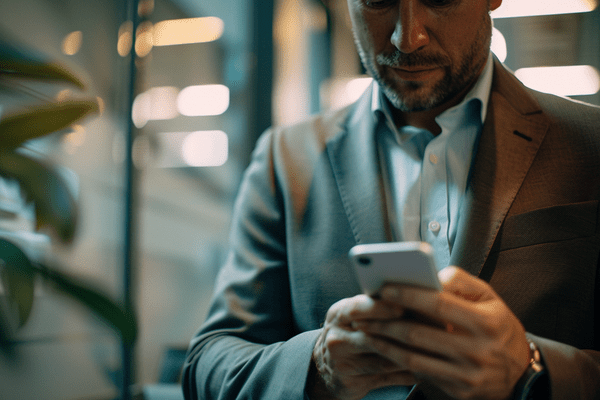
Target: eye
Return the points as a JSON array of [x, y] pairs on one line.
[[379, 3], [438, 3]]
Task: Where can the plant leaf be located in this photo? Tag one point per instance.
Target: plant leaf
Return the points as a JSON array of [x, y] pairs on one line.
[[122, 320], [14, 61], [41, 120], [54, 204], [16, 274]]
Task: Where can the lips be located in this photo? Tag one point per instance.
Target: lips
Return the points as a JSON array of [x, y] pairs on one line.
[[417, 73]]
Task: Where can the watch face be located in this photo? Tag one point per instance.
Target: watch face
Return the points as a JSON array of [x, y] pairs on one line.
[[535, 382]]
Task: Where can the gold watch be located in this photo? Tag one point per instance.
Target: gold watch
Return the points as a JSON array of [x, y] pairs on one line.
[[530, 386]]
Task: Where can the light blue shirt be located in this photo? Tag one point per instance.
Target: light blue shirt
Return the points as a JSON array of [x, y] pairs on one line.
[[426, 175]]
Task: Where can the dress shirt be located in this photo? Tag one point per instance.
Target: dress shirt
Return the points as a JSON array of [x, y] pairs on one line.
[[425, 176]]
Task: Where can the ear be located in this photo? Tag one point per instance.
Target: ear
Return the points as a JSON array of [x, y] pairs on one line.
[[494, 4]]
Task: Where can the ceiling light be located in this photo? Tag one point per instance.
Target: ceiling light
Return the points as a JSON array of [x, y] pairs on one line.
[[528, 8], [202, 100], [576, 80], [187, 30]]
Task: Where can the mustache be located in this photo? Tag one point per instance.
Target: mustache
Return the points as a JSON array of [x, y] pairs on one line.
[[397, 59]]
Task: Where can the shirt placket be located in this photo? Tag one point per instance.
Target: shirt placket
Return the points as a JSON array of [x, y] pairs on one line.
[[434, 199]]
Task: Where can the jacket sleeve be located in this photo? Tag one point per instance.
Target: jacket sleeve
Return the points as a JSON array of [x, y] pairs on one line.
[[249, 346], [573, 373]]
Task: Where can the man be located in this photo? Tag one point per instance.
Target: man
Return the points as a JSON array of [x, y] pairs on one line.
[[446, 147]]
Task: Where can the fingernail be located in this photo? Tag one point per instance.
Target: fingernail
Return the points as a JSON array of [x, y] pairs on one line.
[[446, 274]]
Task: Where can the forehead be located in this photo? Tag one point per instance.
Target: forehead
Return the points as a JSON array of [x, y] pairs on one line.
[[381, 6], [444, 14]]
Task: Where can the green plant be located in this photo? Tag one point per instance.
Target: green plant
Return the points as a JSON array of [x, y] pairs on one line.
[[55, 207]]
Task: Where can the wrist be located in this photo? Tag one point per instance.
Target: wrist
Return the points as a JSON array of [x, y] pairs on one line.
[[534, 383], [316, 388]]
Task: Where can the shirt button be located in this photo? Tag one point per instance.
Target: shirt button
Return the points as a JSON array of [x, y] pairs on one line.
[[434, 226], [433, 159]]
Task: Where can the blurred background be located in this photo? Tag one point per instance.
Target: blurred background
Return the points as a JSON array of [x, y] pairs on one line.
[[184, 88]]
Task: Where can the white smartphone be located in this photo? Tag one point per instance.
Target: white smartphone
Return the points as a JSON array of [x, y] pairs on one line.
[[409, 263]]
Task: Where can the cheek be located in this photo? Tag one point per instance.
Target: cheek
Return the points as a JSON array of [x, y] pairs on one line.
[[456, 39], [373, 32]]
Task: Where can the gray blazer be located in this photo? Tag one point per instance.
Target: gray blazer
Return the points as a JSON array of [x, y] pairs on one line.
[[529, 226]]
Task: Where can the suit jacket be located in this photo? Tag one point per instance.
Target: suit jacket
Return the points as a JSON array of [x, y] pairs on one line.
[[529, 226]]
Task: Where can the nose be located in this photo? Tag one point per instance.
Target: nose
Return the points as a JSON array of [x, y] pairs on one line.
[[410, 33]]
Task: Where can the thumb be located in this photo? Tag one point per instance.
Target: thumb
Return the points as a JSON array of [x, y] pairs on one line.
[[461, 283]]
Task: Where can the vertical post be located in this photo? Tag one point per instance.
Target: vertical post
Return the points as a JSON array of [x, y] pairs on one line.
[[261, 77], [127, 349]]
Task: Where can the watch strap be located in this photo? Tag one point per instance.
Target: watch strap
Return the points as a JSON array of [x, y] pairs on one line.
[[534, 383]]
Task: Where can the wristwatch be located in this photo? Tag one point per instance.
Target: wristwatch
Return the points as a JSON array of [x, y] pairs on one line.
[[533, 383]]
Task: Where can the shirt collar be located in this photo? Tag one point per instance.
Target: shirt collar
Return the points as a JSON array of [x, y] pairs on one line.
[[380, 106]]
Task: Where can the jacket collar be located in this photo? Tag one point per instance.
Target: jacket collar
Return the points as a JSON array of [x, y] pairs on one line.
[[355, 164], [512, 134], [514, 129]]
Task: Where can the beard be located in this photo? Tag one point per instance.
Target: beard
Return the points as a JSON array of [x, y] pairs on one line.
[[413, 96]]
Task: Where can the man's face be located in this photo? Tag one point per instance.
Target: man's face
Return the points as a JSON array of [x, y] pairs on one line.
[[423, 53]]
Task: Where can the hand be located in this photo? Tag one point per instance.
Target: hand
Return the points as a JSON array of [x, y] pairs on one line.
[[481, 354], [346, 363]]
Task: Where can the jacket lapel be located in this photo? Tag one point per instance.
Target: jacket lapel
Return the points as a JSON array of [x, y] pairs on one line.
[[355, 164], [514, 129]]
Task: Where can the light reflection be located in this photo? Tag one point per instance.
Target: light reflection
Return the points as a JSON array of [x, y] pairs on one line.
[[158, 103], [526, 8], [125, 38], [63, 95], [187, 30], [145, 7], [340, 92], [143, 39], [498, 45], [576, 80], [101, 105], [72, 43], [167, 102], [74, 139], [203, 100], [205, 148]]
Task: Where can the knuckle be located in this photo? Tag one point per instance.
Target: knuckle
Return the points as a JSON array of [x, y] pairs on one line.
[[333, 340], [495, 322], [440, 306], [412, 335]]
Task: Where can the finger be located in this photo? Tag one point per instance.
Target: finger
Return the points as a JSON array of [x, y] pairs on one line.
[[361, 307], [418, 362], [418, 337], [447, 306], [350, 353], [464, 381], [461, 283]]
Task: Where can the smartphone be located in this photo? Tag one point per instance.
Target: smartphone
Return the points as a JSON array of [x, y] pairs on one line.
[[408, 263]]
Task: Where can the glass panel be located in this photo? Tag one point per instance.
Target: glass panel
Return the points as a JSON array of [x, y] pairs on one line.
[[63, 350]]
